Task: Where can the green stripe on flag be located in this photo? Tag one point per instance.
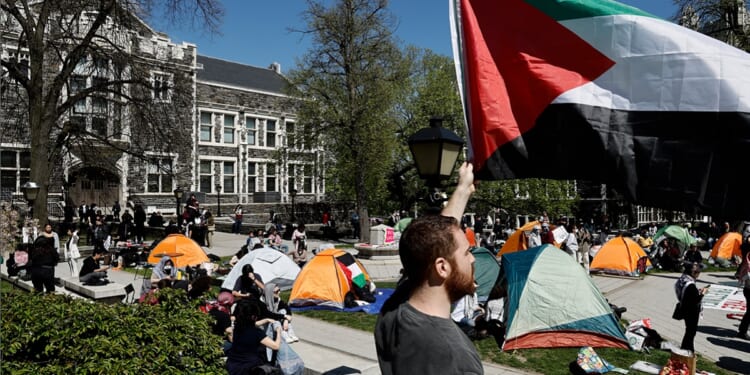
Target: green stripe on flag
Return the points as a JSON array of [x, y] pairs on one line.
[[359, 280], [561, 10]]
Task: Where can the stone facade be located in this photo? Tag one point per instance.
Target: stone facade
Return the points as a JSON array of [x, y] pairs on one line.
[[214, 127]]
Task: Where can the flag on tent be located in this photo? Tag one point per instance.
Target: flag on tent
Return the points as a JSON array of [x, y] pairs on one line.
[[657, 111], [358, 277]]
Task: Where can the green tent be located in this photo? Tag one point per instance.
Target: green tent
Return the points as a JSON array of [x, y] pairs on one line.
[[486, 270], [682, 235]]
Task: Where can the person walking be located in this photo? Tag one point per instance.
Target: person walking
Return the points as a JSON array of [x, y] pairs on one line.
[[210, 229], [744, 281], [414, 333], [237, 225], [690, 298], [116, 211], [72, 253], [43, 258], [139, 219]]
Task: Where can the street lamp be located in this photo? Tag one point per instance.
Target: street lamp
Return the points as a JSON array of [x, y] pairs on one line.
[[30, 191], [218, 199], [293, 194], [178, 197], [435, 151]]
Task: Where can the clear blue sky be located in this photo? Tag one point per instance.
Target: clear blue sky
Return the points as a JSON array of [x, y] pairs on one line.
[[255, 32]]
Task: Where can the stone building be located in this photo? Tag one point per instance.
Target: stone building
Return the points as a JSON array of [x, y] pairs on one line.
[[223, 130]]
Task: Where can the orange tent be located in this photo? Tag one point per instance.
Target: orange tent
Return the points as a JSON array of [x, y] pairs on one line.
[[518, 241], [326, 278], [727, 246], [183, 251], [620, 256]]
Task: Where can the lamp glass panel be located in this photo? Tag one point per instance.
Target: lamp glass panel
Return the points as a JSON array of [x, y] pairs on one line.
[[426, 156], [449, 157]]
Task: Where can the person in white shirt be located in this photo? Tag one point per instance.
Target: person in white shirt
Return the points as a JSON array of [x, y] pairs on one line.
[[570, 245]]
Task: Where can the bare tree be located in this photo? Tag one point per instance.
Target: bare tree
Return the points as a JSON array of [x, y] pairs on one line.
[[65, 58], [725, 20]]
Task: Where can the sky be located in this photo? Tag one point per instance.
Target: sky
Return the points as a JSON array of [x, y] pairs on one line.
[[256, 32]]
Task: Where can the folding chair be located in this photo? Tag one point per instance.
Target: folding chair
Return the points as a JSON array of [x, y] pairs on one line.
[[129, 293]]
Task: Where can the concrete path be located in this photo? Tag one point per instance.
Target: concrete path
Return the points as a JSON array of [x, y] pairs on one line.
[[333, 349]]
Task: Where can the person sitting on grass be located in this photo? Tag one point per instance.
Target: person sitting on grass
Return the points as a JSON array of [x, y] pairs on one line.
[[91, 273], [249, 285], [272, 297], [247, 339]]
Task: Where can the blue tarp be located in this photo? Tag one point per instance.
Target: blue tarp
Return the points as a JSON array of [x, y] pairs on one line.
[[381, 295]]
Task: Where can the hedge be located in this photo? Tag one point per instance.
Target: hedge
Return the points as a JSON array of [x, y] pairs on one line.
[[57, 334]]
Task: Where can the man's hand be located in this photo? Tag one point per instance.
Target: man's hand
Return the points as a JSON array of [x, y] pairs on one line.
[[459, 198], [466, 177]]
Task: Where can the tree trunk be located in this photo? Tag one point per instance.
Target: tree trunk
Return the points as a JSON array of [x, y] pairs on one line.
[[364, 215]]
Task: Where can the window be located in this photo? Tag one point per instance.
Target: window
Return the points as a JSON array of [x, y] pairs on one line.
[[206, 127], [251, 129], [15, 167], [291, 180], [228, 129], [159, 175], [161, 87], [270, 133], [307, 178], [228, 179], [291, 137], [78, 84], [99, 126], [252, 177], [99, 106], [206, 176], [271, 177]]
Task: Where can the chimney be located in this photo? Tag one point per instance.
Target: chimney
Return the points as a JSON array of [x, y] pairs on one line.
[[276, 67]]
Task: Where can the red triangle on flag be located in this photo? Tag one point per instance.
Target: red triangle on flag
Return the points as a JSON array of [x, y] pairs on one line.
[[517, 61]]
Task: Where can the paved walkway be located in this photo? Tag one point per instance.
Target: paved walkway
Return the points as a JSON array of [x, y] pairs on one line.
[[333, 349]]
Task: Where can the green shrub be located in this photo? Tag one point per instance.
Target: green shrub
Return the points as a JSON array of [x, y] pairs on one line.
[[55, 334]]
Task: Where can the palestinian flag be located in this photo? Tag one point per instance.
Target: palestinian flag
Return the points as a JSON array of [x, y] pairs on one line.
[[357, 276], [599, 91]]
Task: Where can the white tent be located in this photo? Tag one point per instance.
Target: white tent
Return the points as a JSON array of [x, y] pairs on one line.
[[270, 264]]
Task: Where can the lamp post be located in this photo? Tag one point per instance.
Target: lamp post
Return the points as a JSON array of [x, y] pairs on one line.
[[435, 151], [30, 191], [218, 199], [293, 195], [178, 197]]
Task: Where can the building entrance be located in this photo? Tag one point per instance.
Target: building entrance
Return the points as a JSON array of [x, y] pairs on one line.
[[91, 185]]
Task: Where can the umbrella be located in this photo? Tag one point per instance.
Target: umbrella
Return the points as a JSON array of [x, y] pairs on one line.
[[683, 237], [183, 251]]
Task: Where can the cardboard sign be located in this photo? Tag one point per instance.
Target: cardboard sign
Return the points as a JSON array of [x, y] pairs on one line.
[[560, 234]]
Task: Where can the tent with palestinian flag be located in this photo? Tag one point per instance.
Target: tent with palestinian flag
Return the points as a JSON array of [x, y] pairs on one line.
[[600, 91]]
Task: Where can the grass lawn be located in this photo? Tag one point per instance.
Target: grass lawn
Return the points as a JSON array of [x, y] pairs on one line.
[[544, 361]]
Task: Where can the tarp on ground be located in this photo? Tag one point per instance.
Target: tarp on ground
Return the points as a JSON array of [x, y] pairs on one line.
[[486, 270], [326, 278], [621, 256], [272, 265], [727, 246], [183, 251], [552, 302]]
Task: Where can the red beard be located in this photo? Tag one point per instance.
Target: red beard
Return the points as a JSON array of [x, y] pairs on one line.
[[459, 284]]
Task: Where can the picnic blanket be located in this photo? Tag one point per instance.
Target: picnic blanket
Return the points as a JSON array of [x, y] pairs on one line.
[[381, 295]]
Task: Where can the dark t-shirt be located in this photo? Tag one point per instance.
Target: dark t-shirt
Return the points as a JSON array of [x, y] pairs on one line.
[[253, 289], [89, 266], [411, 342], [245, 351]]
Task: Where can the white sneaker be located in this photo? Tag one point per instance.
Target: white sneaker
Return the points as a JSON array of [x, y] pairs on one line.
[[289, 340], [294, 338]]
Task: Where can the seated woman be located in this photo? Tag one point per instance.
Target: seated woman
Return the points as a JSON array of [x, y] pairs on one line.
[[274, 240], [248, 339], [164, 270], [249, 285], [272, 297], [469, 316]]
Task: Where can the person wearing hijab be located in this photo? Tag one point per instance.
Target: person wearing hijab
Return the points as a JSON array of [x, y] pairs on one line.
[[690, 298], [272, 297], [165, 269]]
